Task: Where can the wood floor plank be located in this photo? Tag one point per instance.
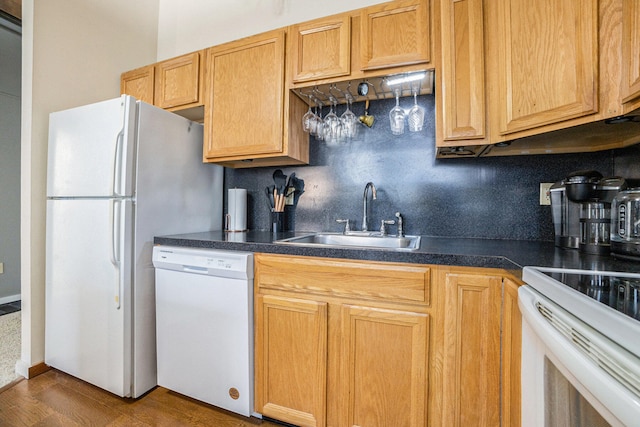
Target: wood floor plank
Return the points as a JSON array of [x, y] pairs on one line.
[[57, 399]]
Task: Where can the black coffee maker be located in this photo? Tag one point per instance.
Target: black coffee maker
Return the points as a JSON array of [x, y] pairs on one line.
[[594, 193]]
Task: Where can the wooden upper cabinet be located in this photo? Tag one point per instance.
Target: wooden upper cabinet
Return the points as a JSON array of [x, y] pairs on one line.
[[178, 81], [462, 90], [138, 83], [395, 34], [174, 84], [547, 62], [244, 114], [321, 48], [630, 50]]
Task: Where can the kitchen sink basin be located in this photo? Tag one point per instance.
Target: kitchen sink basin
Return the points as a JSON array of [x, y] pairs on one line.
[[360, 240]]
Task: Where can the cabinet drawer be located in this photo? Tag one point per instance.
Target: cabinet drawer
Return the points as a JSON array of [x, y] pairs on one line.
[[389, 282]]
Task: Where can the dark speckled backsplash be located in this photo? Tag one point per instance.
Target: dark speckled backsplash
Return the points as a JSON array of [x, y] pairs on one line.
[[494, 198]]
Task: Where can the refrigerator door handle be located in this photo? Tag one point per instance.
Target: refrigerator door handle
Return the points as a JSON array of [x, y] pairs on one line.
[[116, 182], [115, 224]]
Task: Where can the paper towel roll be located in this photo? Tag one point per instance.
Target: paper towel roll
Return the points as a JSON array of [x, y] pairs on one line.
[[237, 204]]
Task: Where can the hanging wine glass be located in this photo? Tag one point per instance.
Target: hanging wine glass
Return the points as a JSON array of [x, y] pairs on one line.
[[396, 116], [307, 118], [332, 124], [415, 117], [319, 124], [349, 121]]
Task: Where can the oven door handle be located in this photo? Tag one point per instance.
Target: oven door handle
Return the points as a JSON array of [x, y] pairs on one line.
[[607, 395]]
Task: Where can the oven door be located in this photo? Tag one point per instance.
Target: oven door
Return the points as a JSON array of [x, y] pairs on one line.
[[571, 374]]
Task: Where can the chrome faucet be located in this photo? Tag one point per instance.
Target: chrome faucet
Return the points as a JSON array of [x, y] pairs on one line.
[[400, 224], [365, 205]]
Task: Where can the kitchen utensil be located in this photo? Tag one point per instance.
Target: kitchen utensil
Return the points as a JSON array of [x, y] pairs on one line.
[[298, 185], [268, 191], [397, 116], [366, 119], [363, 89], [280, 180]]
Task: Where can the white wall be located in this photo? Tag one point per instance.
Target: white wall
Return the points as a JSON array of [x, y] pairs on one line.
[[10, 42], [188, 25], [73, 52]]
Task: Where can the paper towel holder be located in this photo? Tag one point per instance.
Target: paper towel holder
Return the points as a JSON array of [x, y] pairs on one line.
[[227, 222]]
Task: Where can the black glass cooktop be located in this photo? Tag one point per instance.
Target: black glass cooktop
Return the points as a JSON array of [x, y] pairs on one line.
[[618, 292]]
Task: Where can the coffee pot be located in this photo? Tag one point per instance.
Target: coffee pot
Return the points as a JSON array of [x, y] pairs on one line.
[[595, 195]]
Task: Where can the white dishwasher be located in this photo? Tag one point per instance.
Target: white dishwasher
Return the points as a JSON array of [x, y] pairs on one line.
[[204, 325]]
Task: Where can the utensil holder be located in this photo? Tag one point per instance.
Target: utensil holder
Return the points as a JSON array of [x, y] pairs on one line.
[[289, 218], [277, 222]]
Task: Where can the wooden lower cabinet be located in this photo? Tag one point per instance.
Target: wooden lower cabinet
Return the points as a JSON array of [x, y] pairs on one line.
[[511, 346], [471, 349], [383, 367], [478, 342], [341, 342], [291, 370], [350, 343]]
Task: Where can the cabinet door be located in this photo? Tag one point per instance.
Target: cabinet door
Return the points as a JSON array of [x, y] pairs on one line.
[[245, 81], [178, 81], [395, 34], [511, 351], [321, 48], [138, 83], [630, 50], [291, 359], [383, 367], [471, 356], [463, 94], [547, 62]]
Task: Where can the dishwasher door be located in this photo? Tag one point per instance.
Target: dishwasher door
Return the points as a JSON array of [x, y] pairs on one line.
[[204, 325]]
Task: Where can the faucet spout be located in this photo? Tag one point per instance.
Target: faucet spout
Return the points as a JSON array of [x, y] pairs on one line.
[[365, 204]]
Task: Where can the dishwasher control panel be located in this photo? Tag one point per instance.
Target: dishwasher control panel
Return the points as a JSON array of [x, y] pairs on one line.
[[204, 261]]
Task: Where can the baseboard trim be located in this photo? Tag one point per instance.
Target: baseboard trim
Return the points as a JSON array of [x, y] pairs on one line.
[[38, 369], [31, 371], [9, 299]]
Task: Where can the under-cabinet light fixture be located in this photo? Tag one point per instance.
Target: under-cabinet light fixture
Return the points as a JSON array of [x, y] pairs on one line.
[[406, 78]]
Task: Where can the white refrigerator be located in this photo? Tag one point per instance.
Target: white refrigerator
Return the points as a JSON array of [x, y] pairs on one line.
[[119, 173]]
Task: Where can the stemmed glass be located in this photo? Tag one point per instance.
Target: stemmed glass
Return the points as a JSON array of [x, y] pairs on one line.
[[318, 124], [332, 124], [307, 119], [349, 121], [396, 116], [416, 113]]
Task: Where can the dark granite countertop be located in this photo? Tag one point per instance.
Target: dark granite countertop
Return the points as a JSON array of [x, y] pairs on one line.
[[506, 254]]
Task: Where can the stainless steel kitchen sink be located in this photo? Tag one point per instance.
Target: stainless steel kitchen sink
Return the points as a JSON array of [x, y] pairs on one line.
[[360, 240]]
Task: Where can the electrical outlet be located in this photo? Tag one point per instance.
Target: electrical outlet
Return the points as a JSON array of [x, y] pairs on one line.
[[1, 267], [545, 196]]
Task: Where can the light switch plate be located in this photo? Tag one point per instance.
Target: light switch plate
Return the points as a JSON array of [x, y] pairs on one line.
[[1, 267], [545, 196]]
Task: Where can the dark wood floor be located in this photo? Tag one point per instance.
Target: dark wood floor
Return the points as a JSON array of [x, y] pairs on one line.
[[57, 399]]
